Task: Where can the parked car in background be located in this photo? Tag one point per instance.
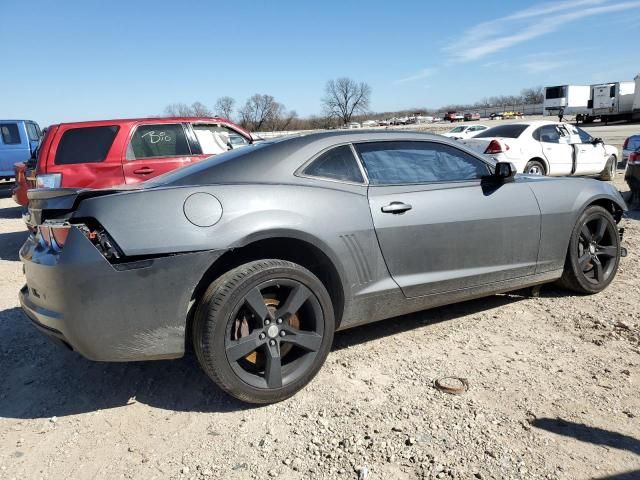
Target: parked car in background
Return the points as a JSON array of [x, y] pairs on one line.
[[105, 153], [257, 257], [19, 140], [468, 117], [631, 144], [465, 131], [454, 117], [496, 116], [547, 148]]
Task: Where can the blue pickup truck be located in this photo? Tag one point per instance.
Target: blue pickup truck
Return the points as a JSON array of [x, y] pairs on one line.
[[18, 141]]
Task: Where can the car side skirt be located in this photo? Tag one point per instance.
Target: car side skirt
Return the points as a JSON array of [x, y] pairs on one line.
[[392, 303]]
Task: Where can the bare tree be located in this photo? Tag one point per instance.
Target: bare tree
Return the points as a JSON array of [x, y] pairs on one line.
[[178, 110], [197, 109], [532, 95], [344, 97], [258, 111], [224, 107]]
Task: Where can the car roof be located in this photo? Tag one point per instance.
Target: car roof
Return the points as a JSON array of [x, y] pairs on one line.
[[277, 160], [113, 121]]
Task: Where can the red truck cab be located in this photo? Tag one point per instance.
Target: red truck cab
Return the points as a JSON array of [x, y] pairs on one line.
[[105, 153]]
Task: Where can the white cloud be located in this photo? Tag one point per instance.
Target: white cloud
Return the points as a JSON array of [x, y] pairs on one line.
[[493, 36], [424, 73]]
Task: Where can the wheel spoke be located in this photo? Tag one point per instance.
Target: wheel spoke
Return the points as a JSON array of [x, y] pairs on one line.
[[310, 341], [586, 233], [583, 261], [598, 269], [236, 349], [607, 251], [298, 295], [600, 230], [255, 301], [273, 367]]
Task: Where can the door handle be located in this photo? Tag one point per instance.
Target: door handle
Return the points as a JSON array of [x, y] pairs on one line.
[[396, 207], [143, 171]]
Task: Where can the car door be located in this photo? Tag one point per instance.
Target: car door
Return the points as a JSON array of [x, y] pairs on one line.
[[157, 148], [440, 227], [556, 149], [591, 156]]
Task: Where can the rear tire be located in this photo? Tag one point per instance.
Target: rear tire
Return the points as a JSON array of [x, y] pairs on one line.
[[534, 167], [594, 252], [609, 171], [262, 330]]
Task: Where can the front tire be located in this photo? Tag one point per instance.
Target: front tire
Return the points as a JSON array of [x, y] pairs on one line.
[[263, 330], [594, 252]]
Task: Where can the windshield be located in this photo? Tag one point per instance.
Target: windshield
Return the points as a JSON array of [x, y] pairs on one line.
[[513, 130], [458, 129]]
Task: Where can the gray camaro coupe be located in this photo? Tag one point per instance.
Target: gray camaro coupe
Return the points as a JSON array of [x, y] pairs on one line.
[[257, 256]]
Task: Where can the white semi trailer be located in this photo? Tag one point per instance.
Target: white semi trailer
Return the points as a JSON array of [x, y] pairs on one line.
[[571, 99], [635, 110], [609, 101]]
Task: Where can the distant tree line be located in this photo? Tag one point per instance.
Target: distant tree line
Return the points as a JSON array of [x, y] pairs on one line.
[[344, 101]]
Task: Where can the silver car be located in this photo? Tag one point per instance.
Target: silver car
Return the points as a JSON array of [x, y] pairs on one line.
[[257, 256]]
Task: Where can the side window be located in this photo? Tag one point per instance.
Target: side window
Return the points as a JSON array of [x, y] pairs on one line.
[[395, 163], [32, 131], [549, 134], [85, 145], [160, 140], [215, 139], [10, 134], [337, 164]]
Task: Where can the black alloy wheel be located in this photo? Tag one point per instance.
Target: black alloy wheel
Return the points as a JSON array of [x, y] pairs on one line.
[[594, 252], [274, 333], [263, 330]]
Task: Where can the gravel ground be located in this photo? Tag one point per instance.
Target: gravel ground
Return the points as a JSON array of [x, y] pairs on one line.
[[553, 394]]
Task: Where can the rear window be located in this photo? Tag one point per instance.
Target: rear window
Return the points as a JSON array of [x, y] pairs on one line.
[[10, 134], [160, 140], [513, 130], [85, 145]]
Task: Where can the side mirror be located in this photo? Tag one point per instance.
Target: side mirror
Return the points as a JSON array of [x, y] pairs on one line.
[[505, 171], [596, 141]]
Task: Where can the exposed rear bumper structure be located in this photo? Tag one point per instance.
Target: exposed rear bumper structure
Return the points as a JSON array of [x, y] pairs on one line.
[[105, 312]]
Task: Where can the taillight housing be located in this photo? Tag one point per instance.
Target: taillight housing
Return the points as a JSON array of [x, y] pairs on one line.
[[49, 180], [496, 147], [53, 235], [634, 158]]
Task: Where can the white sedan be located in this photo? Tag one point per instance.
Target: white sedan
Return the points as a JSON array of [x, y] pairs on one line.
[[465, 131], [547, 148]]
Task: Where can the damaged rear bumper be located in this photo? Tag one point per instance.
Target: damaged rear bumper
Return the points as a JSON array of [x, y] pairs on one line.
[[105, 312]]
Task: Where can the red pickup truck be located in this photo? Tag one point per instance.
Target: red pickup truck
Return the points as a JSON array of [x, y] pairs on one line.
[[105, 153]]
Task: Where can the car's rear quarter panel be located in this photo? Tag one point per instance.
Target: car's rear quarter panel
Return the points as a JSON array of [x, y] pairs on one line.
[[335, 220]]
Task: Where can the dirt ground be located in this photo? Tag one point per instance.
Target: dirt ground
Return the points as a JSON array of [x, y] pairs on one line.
[[553, 394]]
